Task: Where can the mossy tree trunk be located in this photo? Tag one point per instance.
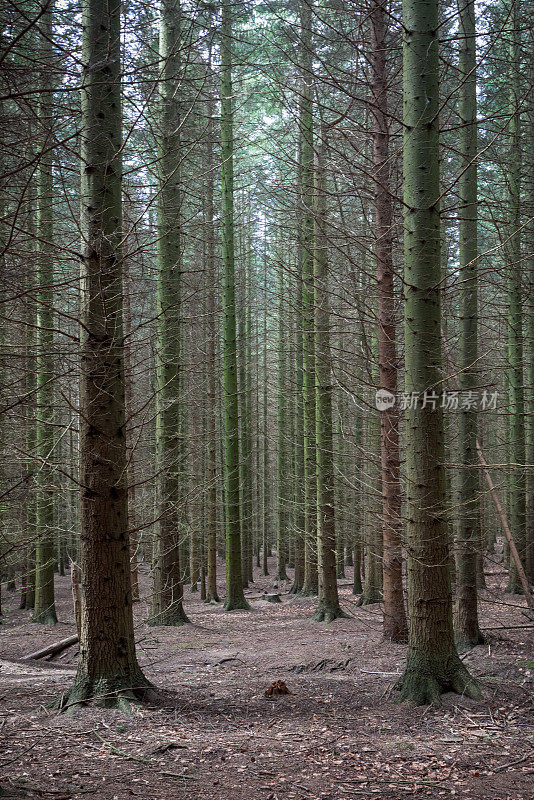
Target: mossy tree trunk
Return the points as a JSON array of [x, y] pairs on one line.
[[266, 493], [468, 540], [516, 453], [235, 597], [529, 328], [433, 665], [299, 517], [130, 437], [108, 672], [310, 586], [282, 471], [167, 599]]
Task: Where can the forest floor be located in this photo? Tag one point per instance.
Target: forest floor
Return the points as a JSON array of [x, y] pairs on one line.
[[339, 734]]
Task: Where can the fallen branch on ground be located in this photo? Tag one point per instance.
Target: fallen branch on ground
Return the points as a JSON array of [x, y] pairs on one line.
[[52, 649]]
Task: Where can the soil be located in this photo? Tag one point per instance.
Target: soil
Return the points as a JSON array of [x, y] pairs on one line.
[[215, 736]]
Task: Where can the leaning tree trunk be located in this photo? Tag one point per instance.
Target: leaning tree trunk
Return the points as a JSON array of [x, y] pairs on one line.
[[433, 665], [235, 597], [395, 625], [167, 608], [328, 607], [44, 607], [108, 672], [468, 541]]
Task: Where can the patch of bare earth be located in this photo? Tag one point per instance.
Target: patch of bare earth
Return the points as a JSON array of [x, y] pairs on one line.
[[216, 736]]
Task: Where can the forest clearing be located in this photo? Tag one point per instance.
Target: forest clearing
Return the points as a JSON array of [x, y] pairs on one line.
[[215, 734]]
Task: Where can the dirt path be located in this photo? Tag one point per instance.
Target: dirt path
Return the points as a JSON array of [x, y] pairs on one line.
[[338, 735]]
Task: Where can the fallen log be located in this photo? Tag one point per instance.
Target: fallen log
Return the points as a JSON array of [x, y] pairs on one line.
[[52, 649]]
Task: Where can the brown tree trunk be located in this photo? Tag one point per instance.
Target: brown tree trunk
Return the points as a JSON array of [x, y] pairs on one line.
[[395, 626], [108, 672]]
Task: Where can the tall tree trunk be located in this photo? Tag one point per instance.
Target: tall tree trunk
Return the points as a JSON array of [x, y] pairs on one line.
[[468, 541], [371, 528], [516, 456], [167, 608], [282, 476], [300, 517], [395, 625], [310, 586], [433, 665], [108, 672], [266, 516], [529, 332], [328, 607], [212, 595], [130, 440], [44, 608], [235, 597], [30, 424], [245, 419]]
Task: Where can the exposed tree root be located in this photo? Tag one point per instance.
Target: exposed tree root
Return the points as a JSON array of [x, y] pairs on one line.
[[369, 599], [306, 591], [47, 617], [236, 605], [328, 613], [425, 679], [397, 635], [174, 616], [117, 692], [465, 643], [212, 601]]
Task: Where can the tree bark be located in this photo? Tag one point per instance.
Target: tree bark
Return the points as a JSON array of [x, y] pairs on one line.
[[516, 457], [310, 586], [467, 630], [433, 665], [328, 607], [395, 626], [167, 601], [108, 672], [235, 597], [44, 608]]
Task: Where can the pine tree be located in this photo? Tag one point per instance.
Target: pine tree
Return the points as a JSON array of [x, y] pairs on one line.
[[432, 665], [395, 626], [466, 618], [328, 607], [310, 586], [108, 672], [529, 331], [167, 608], [212, 595], [235, 597], [44, 608], [517, 497]]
